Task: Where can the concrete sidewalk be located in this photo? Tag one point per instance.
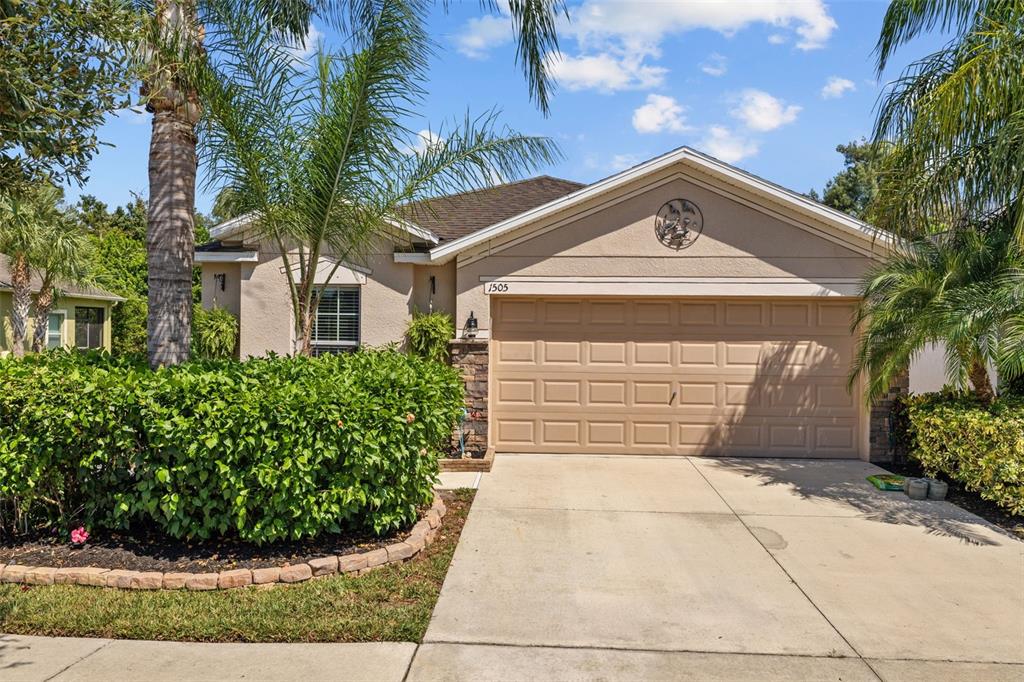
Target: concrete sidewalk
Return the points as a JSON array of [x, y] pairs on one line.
[[34, 659]]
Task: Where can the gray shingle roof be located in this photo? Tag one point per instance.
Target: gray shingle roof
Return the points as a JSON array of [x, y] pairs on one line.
[[65, 288], [457, 215]]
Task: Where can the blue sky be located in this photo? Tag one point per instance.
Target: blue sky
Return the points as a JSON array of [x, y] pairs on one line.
[[771, 86]]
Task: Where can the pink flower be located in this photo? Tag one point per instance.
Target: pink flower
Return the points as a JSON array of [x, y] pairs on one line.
[[79, 535]]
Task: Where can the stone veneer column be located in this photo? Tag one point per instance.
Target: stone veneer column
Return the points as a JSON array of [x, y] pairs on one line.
[[880, 446], [470, 356]]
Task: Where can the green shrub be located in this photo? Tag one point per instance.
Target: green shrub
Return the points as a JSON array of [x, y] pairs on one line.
[[214, 333], [428, 335], [266, 450], [977, 445]]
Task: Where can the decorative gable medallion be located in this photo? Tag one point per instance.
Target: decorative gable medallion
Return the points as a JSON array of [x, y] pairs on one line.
[[678, 223]]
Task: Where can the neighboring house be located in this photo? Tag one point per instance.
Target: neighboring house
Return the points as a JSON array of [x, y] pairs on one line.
[[80, 317], [682, 306]]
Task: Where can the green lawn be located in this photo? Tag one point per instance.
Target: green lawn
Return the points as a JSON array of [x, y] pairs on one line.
[[393, 603]]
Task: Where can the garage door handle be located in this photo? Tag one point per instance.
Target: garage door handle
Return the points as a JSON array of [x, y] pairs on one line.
[[672, 399]]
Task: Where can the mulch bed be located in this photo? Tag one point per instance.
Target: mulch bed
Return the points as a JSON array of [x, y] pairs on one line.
[[146, 549], [965, 499]]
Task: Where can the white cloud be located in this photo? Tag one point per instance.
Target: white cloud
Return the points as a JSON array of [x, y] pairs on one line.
[[716, 65], [616, 42], [424, 140], [659, 114], [760, 111], [621, 162], [605, 72], [483, 34], [836, 87], [777, 39], [724, 144], [649, 22], [302, 51]]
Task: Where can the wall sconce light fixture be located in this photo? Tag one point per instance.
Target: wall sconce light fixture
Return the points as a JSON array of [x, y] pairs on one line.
[[471, 326], [220, 280]]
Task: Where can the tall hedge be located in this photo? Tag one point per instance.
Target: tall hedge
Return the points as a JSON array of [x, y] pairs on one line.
[[981, 446], [265, 449]]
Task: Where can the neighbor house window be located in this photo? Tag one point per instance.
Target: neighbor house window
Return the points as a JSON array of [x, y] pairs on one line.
[[88, 327], [55, 330], [336, 327]]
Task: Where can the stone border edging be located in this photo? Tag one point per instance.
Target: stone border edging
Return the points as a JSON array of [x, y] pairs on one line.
[[421, 536]]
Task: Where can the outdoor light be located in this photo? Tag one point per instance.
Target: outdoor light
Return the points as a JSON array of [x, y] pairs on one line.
[[471, 326], [220, 280]]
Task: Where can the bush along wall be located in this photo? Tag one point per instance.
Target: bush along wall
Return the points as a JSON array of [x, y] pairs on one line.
[[980, 446], [267, 449]]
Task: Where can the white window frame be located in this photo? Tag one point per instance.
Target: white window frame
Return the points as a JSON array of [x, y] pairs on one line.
[[63, 328], [336, 346]]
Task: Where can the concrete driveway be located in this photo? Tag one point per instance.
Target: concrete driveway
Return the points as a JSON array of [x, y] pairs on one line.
[[634, 567]]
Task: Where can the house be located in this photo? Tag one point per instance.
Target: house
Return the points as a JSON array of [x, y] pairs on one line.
[[80, 317], [682, 306]]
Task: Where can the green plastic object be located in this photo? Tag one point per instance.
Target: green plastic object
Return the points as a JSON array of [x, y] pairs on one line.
[[886, 481]]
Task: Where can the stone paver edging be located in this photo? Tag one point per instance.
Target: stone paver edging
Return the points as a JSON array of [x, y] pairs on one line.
[[422, 536]]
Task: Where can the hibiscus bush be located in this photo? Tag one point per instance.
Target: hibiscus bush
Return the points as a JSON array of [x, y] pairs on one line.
[[267, 449]]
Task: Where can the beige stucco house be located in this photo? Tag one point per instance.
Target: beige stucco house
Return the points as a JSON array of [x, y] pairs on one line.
[[682, 306], [80, 317]]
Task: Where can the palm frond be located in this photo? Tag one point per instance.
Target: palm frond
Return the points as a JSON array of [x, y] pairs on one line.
[[906, 19]]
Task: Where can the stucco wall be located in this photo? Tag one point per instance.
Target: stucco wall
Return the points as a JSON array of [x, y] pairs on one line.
[[386, 301], [228, 299], [614, 237], [443, 300], [928, 370], [265, 309]]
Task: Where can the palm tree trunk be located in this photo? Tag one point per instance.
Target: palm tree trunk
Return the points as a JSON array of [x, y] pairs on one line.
[[978, 374], [21, 285], [44, 303], [172, 187], [169, 238]]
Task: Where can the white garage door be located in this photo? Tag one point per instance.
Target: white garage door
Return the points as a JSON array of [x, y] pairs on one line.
[[760, 377]]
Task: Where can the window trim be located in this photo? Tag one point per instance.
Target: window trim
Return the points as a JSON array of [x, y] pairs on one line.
[[340, 346], [63, 342]]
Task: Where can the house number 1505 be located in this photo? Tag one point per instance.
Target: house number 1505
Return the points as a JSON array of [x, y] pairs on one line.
[[496, 287]]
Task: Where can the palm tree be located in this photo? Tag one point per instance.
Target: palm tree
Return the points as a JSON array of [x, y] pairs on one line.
[[27, 219], [175, 47], [321, 161], [955, 119], [962, 288], [66, 258]]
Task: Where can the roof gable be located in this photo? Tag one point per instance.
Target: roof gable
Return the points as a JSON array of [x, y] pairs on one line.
[[856, 231]]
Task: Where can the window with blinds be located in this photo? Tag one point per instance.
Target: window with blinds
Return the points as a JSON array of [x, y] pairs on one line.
[[336, 326]]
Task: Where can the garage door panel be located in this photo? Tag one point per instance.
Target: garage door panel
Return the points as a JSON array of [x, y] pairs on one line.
[[657, 353], [675, 376], [555, 392], [744, 314], [607, 353]]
